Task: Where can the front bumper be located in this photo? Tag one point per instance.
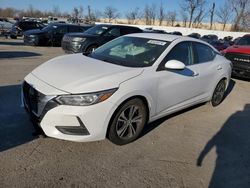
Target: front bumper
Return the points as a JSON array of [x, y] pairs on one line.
[[73, 123], [71, 47], [239, 71], [33, 41], [241, 64]]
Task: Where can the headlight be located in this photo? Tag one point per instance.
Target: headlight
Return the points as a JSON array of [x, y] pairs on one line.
[[78, 39], [85, 99]]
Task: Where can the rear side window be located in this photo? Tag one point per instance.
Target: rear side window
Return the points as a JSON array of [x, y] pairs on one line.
[[128, 30], [203, 53], [181, 52]]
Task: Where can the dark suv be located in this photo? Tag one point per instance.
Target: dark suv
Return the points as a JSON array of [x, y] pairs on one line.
[[51, 34], [94, 37], [21, 26]]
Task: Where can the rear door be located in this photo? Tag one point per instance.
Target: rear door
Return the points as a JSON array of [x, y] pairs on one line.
[[209, 68], [58, 34]]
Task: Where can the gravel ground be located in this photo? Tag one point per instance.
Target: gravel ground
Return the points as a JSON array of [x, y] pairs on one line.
[[199, 147]]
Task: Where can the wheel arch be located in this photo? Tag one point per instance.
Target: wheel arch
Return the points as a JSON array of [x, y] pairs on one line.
[[141, 97]]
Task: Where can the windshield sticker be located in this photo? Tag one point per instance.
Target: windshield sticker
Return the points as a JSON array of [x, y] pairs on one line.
[[104, 28], [157, 42]]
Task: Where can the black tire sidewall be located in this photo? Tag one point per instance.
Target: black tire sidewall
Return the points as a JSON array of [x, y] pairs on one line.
[[112, 134], [212, 101], [90, 48]]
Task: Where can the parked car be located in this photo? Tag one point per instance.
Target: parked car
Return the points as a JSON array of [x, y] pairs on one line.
[[195, 35], [151, 30], [94, 37], [209, 38], [123, 85], [236, 40], [21, 26], [239, 55], [5, 25], [52, 34], [175, 33], [220, 44]]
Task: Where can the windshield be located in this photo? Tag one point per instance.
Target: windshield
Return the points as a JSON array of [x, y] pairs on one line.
[[244, 41], [97, 30], [131, 51]]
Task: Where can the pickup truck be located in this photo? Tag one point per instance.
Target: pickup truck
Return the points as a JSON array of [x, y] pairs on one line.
[[239, 55]]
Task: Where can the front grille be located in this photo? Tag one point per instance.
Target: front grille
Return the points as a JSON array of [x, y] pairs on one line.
[[31, 97], [28, 39], [37, 103], [67, 38], [242, 60]]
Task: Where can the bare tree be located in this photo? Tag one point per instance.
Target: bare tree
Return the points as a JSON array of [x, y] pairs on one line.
[[191, 6], [201, 13], [110, 13], [171, 17], [223, 14], [30, 11], [75, 12], [133, 16], [147, 15], [56, 11], [212, 15], [91, 16], [80, 10], [184, 18], [7, 12], [161, 15], [240, 8], [150, 14]]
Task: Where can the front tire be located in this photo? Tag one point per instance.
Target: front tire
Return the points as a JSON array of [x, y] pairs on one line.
[[91, 48], [128, 122], [219, 93]]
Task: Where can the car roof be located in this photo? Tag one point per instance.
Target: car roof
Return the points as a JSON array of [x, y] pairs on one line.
[[156, 36], [124, 26], [64, 24]]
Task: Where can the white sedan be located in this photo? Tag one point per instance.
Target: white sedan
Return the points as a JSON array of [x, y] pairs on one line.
[[123, 85]]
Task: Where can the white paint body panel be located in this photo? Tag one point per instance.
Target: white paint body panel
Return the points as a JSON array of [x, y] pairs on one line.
[[165, 91]]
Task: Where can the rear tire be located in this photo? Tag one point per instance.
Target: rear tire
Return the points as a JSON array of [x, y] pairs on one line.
[[128, 122], [219, 93]]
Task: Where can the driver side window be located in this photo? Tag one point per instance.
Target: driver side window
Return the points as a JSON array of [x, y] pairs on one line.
[[181, 52], [60, 30]]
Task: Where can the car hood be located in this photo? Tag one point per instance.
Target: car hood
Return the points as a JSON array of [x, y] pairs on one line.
[[238, 49], [34, 32], [80, 74], [82, 35]]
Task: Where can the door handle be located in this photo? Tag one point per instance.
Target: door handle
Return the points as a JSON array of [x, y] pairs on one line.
[[195, 74], [219, 67]]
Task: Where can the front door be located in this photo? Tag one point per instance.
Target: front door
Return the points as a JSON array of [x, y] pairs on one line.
[[177, 88]]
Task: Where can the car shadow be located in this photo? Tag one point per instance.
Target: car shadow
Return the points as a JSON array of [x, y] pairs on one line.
[[12, 43], [15, 127], [17, 54], [230, 88], [151, 126], [232, 143]]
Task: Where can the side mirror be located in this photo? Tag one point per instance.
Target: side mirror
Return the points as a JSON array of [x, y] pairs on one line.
[[175, 65]]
